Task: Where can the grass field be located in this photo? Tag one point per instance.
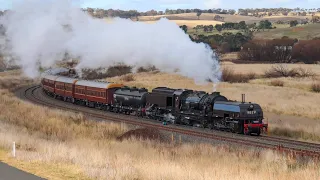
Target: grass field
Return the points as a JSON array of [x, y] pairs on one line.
[[61, 145], [301, 32]]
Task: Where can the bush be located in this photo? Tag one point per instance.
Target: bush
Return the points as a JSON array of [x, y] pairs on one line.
[[101, 73], [127, 78], [315, 87], [283, 71], [228, 75], [146, 69], [280, 71], [277, 83]]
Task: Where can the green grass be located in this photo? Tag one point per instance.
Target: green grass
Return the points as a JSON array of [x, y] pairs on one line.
[[300, 32], [200, 31]]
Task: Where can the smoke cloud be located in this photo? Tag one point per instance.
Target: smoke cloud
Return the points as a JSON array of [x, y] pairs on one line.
[[40, 32]]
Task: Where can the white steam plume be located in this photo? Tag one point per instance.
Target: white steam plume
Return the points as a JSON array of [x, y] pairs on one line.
[[38, 36]]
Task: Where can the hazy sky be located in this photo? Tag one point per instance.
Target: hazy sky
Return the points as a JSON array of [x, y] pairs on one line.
[[144, 5]]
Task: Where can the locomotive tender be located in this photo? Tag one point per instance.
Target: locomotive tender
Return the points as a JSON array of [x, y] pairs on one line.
[[178, 106]]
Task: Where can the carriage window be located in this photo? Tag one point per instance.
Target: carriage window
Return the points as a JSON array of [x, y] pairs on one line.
[[169, 101]]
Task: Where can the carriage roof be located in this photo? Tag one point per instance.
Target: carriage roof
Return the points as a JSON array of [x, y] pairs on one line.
[[50, 77], [66, 80], [97, 84]]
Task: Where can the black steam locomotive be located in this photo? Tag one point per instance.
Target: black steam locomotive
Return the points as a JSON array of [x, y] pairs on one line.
[[194, 108]]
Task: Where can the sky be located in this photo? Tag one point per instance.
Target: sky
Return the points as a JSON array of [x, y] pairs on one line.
[[144, 5]]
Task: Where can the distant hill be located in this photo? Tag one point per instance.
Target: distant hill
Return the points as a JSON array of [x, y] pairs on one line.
[[227, 17]]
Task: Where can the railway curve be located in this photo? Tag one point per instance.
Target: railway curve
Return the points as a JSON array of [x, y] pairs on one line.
[[35, 95]]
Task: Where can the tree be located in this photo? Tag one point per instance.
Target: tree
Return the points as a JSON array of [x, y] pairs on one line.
[[266, 24], [231, 11], [218, 27], [276, 50], [307, 51], [199, 14], [90, 11], [293, 23], [242, 25], [184, 28]]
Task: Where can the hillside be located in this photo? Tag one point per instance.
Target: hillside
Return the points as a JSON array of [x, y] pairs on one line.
[[227, 17], [302, 32]]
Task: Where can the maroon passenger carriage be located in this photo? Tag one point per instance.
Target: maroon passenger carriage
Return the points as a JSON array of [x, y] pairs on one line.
[[95, 93], [64, 88], [48, 84]]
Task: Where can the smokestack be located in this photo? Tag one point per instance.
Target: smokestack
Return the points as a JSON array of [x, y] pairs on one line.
[[243, 98]]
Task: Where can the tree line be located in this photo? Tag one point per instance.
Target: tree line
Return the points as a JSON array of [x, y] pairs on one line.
[[277, 11], [262, 25], [227, 42], [259, 12], [284, 50]]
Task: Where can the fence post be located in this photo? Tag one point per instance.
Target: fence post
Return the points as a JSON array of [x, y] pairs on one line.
[[180, 139], [171, 137], [14, 149]]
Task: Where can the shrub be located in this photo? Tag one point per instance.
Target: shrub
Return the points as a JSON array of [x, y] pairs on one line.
[[146, 69], [277, 83], [228, 75], [280, 71], [315, 87], [305, 72], [283, 71]]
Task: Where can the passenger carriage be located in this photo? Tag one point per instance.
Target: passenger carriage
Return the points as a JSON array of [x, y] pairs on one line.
[[48, 84], [95, 93], [64, 87]]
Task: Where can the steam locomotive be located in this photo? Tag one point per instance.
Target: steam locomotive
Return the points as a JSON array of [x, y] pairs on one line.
[[176, 106]]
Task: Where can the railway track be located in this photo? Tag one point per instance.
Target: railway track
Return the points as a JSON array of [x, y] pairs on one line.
[[35, 94]]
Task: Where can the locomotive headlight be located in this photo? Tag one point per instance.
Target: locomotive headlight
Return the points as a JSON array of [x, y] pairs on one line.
[[251, 106]]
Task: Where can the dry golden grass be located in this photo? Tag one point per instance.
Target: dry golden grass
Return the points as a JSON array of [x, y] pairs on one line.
[[316, 87], [60, 145], [54, 171], [127, 78], [229, 56], [132, 159], [262, 68], [296, 83], [277, 83], [191, 23]]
